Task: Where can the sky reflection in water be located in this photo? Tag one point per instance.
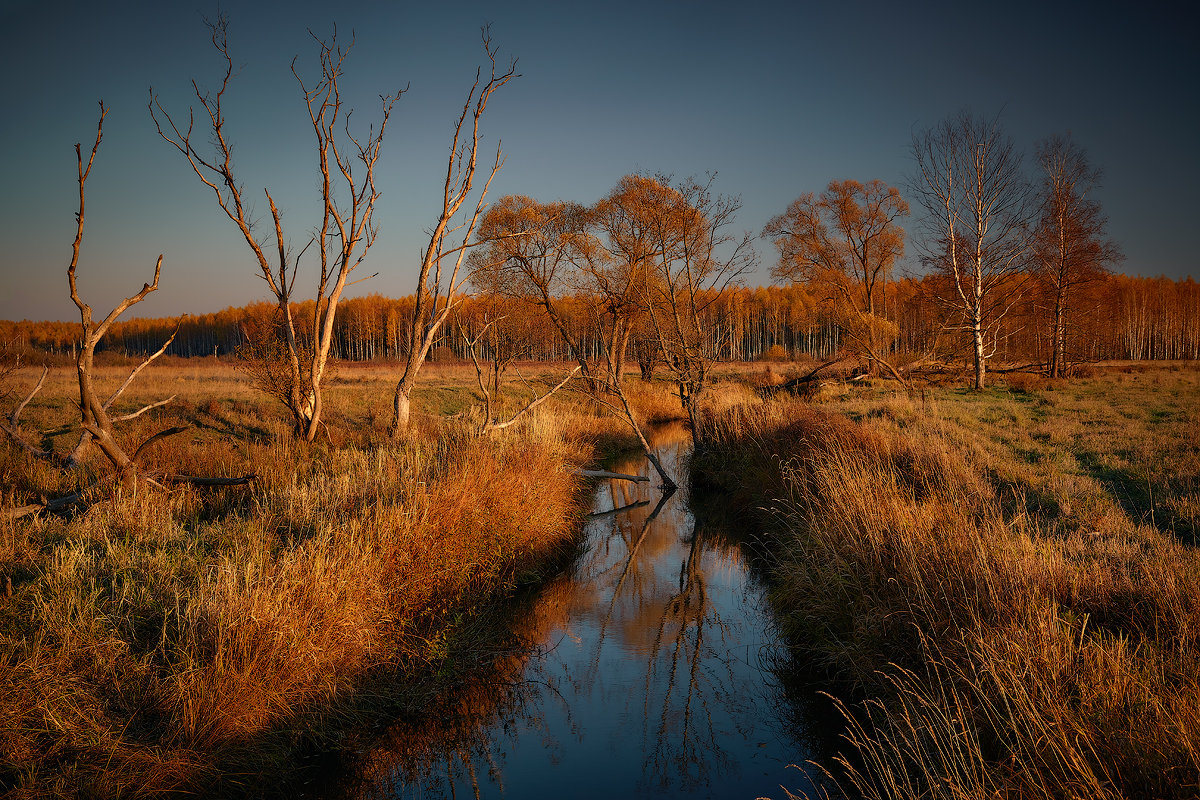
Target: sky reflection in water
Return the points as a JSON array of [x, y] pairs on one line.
[[649, 675]]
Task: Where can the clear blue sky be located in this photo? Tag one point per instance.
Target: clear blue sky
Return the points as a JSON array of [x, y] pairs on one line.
[[777, 98]]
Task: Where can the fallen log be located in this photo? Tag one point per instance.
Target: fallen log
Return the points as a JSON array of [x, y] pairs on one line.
[[620, 476], [53, 506], [59, 504], [803, 383], [195, 480]]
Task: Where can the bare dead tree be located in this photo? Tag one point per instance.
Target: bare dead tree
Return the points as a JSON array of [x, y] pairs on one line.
[[978, 206], [441, 277], [95, 420], [11, 423], [343, 236], [10, 365], [502, 340]]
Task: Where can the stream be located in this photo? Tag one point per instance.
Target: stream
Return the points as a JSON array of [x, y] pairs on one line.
[[654, 668]]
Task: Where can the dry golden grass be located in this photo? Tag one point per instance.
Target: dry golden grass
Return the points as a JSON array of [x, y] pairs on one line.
[[1014, 648], [182, 640]]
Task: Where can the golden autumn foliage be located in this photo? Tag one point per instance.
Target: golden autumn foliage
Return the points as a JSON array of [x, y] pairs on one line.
[[1122, 317]]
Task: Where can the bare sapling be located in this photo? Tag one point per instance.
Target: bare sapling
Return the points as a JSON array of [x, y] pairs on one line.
[[441, 277], [492, 422], [342, 237]]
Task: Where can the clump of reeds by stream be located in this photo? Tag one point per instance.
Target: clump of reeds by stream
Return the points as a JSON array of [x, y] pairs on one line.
[[189, 642]]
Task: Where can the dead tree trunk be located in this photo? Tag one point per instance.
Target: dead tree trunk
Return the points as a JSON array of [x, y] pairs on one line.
[[435, 300], [95, 420], [344, 234]]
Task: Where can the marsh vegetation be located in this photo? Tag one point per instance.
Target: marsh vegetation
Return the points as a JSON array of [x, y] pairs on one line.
[[183, 640], [1000, 587], [343, 542], [1009, 578]]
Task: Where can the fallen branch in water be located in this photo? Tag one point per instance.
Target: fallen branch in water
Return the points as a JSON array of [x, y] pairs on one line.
[[620, 476], [619, 509]]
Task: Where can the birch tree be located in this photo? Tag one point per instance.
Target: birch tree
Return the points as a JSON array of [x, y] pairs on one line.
[[1071, 248], [977, 208]]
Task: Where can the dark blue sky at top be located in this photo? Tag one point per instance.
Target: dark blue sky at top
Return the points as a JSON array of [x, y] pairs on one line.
[[776, 98]]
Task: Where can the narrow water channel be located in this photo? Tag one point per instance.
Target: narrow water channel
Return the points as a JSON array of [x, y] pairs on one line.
[[651, 670]]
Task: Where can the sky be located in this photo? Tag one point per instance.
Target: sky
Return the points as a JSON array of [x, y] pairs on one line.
[[776, 98]]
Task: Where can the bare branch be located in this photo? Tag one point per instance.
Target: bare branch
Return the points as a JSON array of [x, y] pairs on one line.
[[160, 435], [143, 410], [532, 404], [600, 473], [16, 414], [108, 403]]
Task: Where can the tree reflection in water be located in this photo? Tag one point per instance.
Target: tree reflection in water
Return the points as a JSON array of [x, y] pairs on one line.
[[646, 671]]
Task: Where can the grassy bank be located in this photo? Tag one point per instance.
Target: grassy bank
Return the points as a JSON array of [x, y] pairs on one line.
[[982, 567], [190, 641]]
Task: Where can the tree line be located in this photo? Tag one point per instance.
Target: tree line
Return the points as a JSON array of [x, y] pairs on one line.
[[1129, 318]]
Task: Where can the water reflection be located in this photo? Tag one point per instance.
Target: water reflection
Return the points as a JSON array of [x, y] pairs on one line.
[[646, 672]]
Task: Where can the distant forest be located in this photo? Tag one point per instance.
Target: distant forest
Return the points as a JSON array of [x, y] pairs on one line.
[[1120, 317]]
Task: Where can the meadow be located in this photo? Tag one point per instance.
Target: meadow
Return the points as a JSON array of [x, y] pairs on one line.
[[1006, 581]]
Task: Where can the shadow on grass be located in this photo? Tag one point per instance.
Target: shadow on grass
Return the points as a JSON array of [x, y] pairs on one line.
[[225, 426], [1136, 496]]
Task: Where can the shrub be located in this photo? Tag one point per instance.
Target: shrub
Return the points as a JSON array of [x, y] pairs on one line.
[[775, 352]]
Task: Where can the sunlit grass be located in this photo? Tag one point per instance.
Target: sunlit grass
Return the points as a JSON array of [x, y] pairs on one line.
[[186, 640], [979, 565]]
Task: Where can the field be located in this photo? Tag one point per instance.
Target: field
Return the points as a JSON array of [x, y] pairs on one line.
[[1006, 578]]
